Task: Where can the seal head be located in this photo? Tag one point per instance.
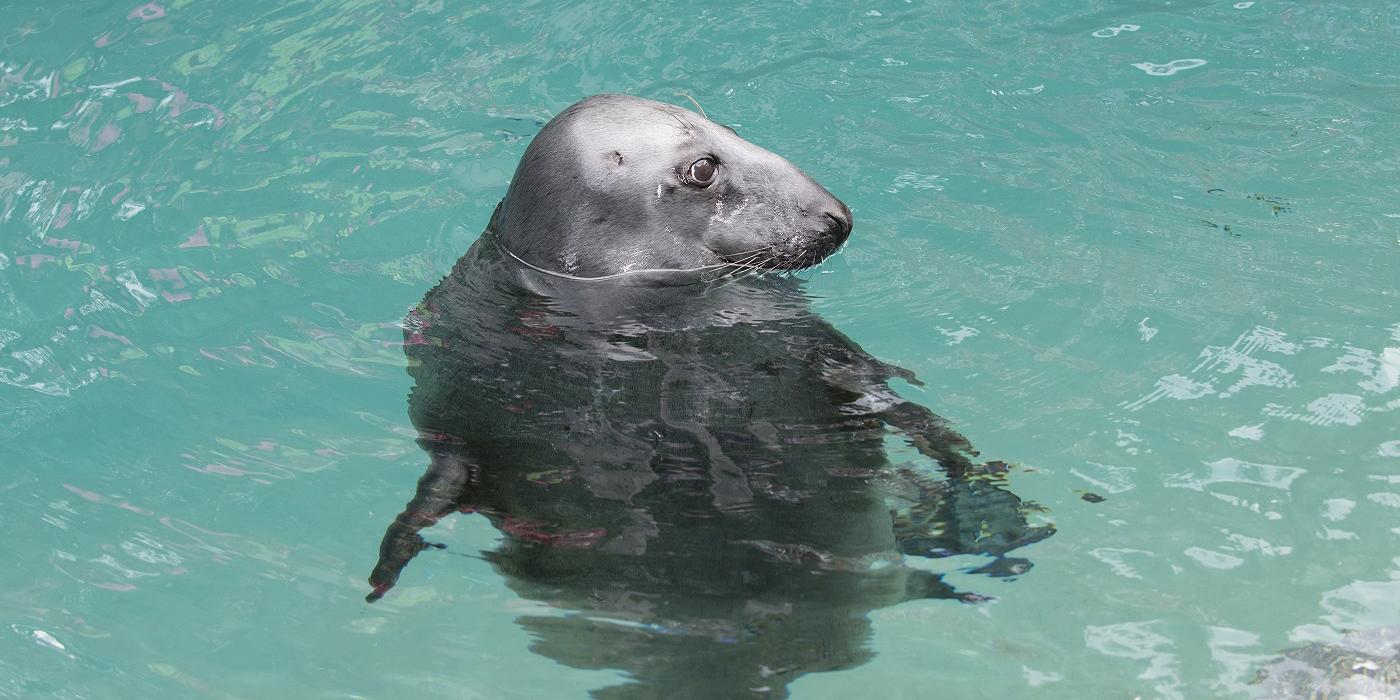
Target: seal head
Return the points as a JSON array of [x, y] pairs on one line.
[[616, 183]]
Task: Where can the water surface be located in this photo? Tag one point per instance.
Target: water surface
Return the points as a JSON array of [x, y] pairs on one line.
[[1149, 252]]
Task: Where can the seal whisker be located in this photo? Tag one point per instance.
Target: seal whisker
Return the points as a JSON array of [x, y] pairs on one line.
[[759, 249], [755, 261], [746, 258], [737, 272], [730, 267], [751, 269], [743, 258], [687, 96], [686, 127], [738, 267], [735, 278]]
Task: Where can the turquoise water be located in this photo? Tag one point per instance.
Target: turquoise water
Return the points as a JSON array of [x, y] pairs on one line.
[[1143, 251]]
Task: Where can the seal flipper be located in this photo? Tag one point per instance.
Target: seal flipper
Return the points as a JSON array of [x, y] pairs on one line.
[[844, 365], [931, 435], [926, 585], [972, 515], [440, 491]]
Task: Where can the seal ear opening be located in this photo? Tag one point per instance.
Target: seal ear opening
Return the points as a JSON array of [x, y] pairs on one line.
[[615, 157]]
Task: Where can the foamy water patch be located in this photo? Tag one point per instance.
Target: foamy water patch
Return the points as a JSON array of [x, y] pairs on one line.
[[1171, 67]]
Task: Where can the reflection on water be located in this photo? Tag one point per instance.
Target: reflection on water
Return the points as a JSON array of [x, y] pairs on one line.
[[694, 479]]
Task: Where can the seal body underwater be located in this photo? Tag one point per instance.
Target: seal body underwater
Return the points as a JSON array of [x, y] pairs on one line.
[[681, 456]]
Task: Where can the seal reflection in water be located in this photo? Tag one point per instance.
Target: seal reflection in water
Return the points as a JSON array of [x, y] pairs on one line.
[[685, 461]]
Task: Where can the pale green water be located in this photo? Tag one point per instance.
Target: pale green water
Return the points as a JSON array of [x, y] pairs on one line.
[[1174, 289]]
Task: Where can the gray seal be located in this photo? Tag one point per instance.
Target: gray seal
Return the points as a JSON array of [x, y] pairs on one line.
[[683, 461]]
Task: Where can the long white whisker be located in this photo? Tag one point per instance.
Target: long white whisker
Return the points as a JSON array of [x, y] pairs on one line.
[[751, 270], [735, 266], [600, 278]]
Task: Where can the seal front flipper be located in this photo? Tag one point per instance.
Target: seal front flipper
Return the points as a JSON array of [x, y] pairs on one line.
[[931, 435], [440, 491], [844, 365], [972, 515]]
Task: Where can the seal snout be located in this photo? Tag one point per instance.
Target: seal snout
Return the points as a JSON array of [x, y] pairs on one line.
[[840, 217], [828, 227], [836, 217]]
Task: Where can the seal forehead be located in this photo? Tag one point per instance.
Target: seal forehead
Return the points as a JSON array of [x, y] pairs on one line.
[[627, 131], [632, 124]]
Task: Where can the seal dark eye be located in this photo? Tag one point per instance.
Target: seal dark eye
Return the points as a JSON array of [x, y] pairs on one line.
[[702, 173]]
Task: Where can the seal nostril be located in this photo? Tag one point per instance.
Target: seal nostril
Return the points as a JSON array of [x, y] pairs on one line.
[[840, 221]]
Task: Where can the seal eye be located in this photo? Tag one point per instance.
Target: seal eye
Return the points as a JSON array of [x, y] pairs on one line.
[[702, 173]]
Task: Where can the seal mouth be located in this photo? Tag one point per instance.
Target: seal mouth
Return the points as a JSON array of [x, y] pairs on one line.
[[799, 252], [788, 256]]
